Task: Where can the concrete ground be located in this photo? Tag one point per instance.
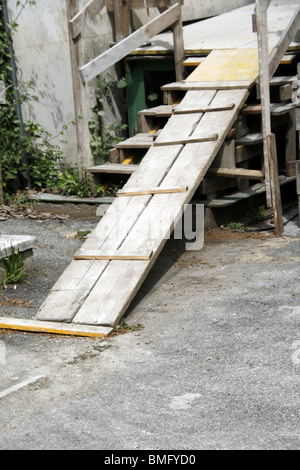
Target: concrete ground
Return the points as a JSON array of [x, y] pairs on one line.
[[211, 361]]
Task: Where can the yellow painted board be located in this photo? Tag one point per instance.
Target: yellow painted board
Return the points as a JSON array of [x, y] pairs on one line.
[[227, 65], [49, 327]]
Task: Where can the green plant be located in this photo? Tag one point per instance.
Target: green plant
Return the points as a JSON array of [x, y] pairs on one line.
[[82, 234], [258, 213], [15, 266], [123, 327], [236, 226], [104, 136], [27, 152]]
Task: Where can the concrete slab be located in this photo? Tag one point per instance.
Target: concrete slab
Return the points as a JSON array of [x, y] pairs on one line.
[[13, 243], [8, 243]]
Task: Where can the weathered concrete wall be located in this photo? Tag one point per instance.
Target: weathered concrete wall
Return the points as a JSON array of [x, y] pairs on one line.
[[197, 9], [42, 55]]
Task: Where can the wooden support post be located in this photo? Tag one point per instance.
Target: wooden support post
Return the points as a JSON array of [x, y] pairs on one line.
[[78, 21], [264, 79], [85, 158], [122, 14], [276, 196], [179, 53]]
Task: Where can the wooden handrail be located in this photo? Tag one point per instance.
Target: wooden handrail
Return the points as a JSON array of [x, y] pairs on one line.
[[120, 50]]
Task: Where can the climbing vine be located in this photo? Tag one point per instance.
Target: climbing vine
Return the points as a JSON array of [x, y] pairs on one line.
[[28, 156], [104, 136]]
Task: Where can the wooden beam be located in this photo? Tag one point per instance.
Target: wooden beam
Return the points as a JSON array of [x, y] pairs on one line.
[[276, 196], [78, 21], [114, 255], [254, 18], [264, 79], [122, 14], [179, 53], [129, 44], [85, 157], [36, 326], [143, 192]]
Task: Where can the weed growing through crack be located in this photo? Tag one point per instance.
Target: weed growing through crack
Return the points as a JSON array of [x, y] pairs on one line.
[[123, 328], [15, 266]]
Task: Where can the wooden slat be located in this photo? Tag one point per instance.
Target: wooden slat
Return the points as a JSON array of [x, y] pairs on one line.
[[117, 168], [209, 85], [188, 140], [76, 283], [237, 172], [36, 326], [117, 255], [276, 109], [125, 277], [208, 109], [127, 45], [143, 192]]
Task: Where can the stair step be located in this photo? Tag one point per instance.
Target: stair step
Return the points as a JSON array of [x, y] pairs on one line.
[[117, 168], [158, 111], [277, 109], [140, 140], [250, 139]]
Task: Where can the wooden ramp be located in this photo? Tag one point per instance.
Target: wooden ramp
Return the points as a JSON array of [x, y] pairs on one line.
[[105, 275]]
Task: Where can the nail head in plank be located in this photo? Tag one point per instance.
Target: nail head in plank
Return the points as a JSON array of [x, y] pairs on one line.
[[143, 192]]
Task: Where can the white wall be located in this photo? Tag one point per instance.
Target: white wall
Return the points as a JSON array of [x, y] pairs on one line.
[[197, 9], [42, 55], [42, 51]]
